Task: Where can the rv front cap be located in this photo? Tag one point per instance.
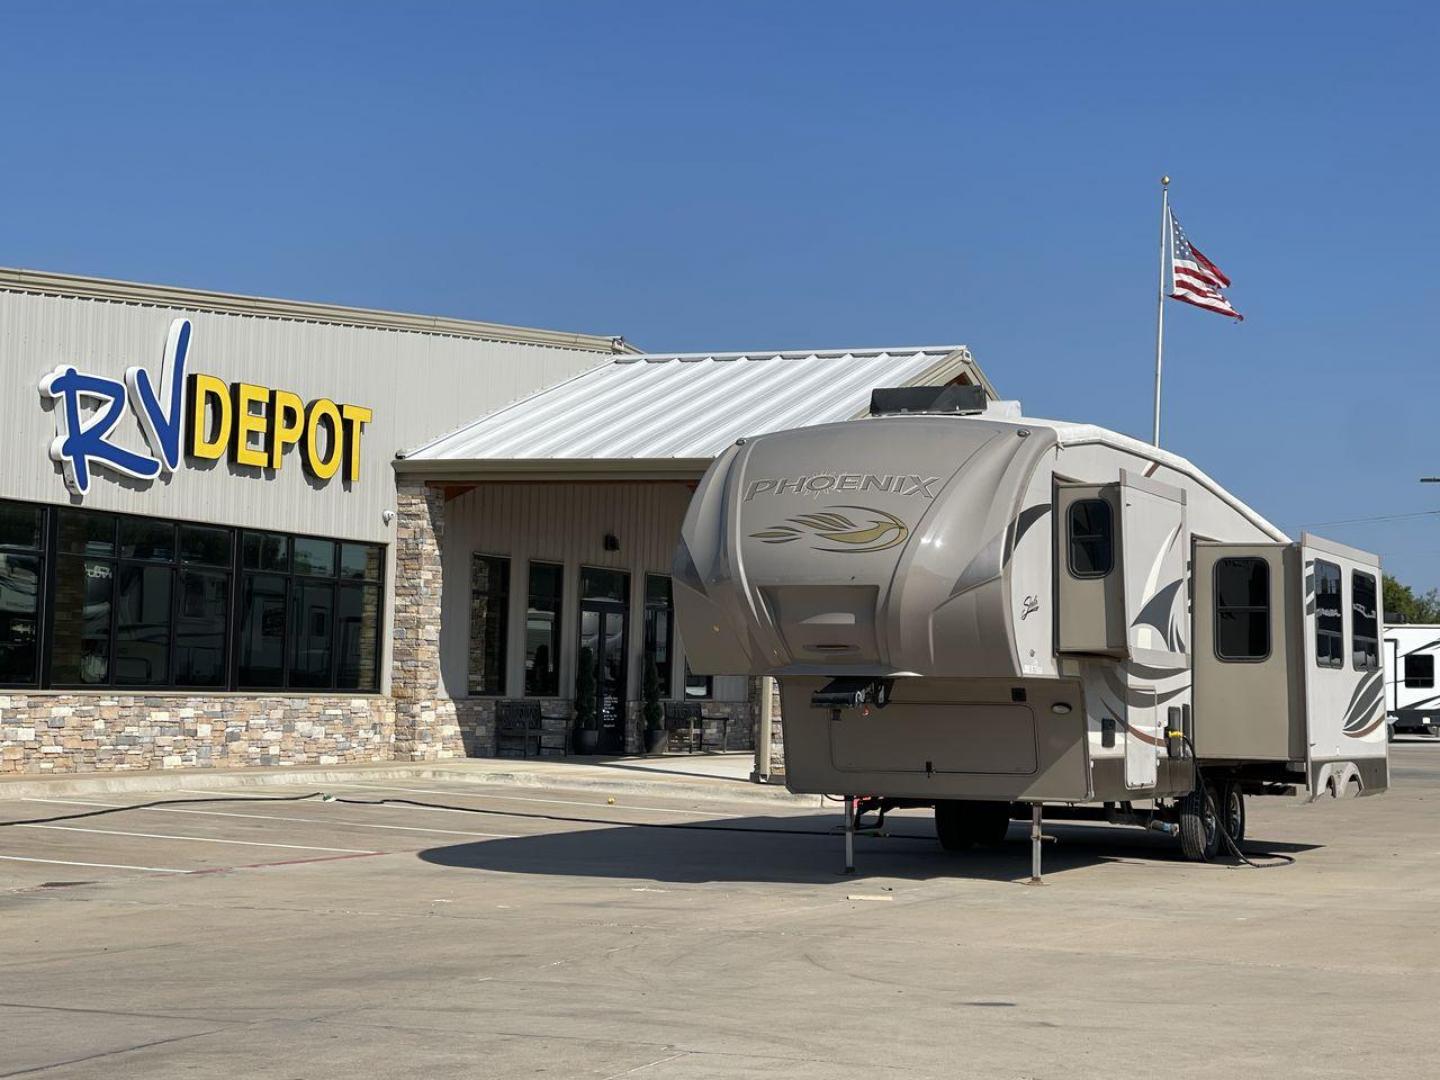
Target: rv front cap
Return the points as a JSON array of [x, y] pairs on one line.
[[821, 483]]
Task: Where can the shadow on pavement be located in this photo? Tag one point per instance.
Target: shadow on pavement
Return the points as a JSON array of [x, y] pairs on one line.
[[806, 850]]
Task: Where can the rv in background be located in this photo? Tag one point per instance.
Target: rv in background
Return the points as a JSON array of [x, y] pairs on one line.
[[1412, 701]]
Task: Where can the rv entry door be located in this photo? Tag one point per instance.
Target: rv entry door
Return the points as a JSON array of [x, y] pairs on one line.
[[1156, 548]]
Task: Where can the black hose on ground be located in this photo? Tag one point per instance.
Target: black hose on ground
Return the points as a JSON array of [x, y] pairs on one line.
[[1282, 860], [564, 818]]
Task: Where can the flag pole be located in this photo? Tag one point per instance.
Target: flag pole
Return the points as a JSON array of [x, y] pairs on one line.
[[1160, 300]]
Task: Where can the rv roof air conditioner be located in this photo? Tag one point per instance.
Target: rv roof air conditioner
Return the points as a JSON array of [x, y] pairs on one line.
[[953, 399]]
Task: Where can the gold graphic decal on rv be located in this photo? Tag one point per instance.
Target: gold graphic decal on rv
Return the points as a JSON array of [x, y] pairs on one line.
[[881, 530]]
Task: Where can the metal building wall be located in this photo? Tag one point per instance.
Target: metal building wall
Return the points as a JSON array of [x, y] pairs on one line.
[[419, 385], [565, 523]]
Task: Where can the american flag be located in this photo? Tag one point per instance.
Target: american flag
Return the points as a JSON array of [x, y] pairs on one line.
[[1194, 278]]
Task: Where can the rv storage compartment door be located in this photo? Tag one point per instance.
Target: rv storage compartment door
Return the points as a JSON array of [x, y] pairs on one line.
[[1248, 690], [942, 739], [1089, 583]]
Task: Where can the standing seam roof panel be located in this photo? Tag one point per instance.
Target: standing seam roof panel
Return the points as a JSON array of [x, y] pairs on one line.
[[683, 406]]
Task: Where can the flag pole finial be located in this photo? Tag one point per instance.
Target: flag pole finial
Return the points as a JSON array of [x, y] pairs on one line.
[[1164, 181]]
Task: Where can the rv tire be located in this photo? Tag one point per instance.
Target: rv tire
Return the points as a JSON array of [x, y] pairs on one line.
[[1199, 838], [1231, 802]]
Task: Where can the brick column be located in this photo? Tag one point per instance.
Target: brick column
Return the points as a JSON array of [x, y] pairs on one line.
[[425, 725]]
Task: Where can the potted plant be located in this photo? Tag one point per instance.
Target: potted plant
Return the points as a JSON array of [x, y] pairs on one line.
[[587, 713], [652, 711]]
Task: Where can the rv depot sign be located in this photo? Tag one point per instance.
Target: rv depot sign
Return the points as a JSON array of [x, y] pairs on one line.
[[190, 414]]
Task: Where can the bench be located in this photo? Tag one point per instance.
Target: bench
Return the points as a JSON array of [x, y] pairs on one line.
[[683, 720], [518, 725]]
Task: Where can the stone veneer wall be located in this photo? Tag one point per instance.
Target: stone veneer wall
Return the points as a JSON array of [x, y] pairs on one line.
[[427, 727], [59, 732], [45, 732]]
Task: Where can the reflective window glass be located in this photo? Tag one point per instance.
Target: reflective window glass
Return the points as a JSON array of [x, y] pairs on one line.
[[21, 526], [201, 628], [489, 623], [360, 562], [1092, 541], [1329, 616], [542, 630], [80, 631], [204, 546], [266, 551], [314, 558], [142, 625], [312, 610], [1242, 609], [141, 538], [357, 638], [1365, 622], [20, 584], [84, 533], [262, 631]]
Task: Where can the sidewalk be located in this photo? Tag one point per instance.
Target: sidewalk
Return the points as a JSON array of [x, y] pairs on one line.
[[721, 777]]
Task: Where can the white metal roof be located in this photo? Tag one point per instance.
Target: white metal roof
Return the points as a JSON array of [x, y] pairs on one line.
[[687, 407]]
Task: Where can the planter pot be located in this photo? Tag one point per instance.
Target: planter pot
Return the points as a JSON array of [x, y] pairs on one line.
[[587, 741], [656, 741]]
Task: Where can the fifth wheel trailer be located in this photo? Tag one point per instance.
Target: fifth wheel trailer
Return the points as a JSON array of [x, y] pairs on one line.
[[1412, 701], [975, 611]]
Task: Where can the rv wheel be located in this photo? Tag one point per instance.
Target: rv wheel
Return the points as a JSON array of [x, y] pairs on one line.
[[1199, 838], [1231, 802], [960, 824], [950, 826]]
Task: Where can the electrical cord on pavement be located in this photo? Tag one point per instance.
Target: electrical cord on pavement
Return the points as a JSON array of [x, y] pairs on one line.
[[326, 797], [1281, 860]]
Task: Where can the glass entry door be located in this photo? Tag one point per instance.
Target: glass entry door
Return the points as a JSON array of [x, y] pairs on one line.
[[605, 631]]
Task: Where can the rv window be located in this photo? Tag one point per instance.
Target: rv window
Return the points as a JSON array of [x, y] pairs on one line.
[[1365, 627], [1329, 616], [1092, 549], [1242, 609], [1420, 671]]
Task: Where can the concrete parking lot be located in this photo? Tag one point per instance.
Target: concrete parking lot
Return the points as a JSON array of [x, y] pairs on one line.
[[557, 933]]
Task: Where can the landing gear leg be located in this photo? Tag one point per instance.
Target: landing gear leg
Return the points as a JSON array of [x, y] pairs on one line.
[[849, 834], [1037, 837]]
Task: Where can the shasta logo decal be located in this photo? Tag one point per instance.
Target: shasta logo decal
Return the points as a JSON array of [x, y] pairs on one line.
[[876, 531]]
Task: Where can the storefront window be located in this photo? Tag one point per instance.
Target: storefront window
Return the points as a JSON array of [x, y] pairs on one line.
[[317, 627], [262, 632], [660, 629], [21, 576], [489, 623], [142, 625], [138, 602], [542, 630]]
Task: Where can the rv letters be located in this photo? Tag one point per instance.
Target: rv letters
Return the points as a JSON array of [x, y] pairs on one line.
[[251, 425]]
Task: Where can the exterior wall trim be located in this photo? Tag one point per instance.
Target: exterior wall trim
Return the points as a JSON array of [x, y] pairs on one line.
[[89, 288]]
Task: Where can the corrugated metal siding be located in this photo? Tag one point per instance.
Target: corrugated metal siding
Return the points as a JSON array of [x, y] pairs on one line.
[[563, 523], [419, 385], [682, 407]]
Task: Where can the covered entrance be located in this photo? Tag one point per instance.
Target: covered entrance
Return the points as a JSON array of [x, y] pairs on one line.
[[604, 631]]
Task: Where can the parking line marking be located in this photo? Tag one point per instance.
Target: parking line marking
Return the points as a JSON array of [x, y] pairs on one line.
[[101, 865], [200, 839]]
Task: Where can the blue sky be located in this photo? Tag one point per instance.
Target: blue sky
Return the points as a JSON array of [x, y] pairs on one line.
[[782, 175]]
